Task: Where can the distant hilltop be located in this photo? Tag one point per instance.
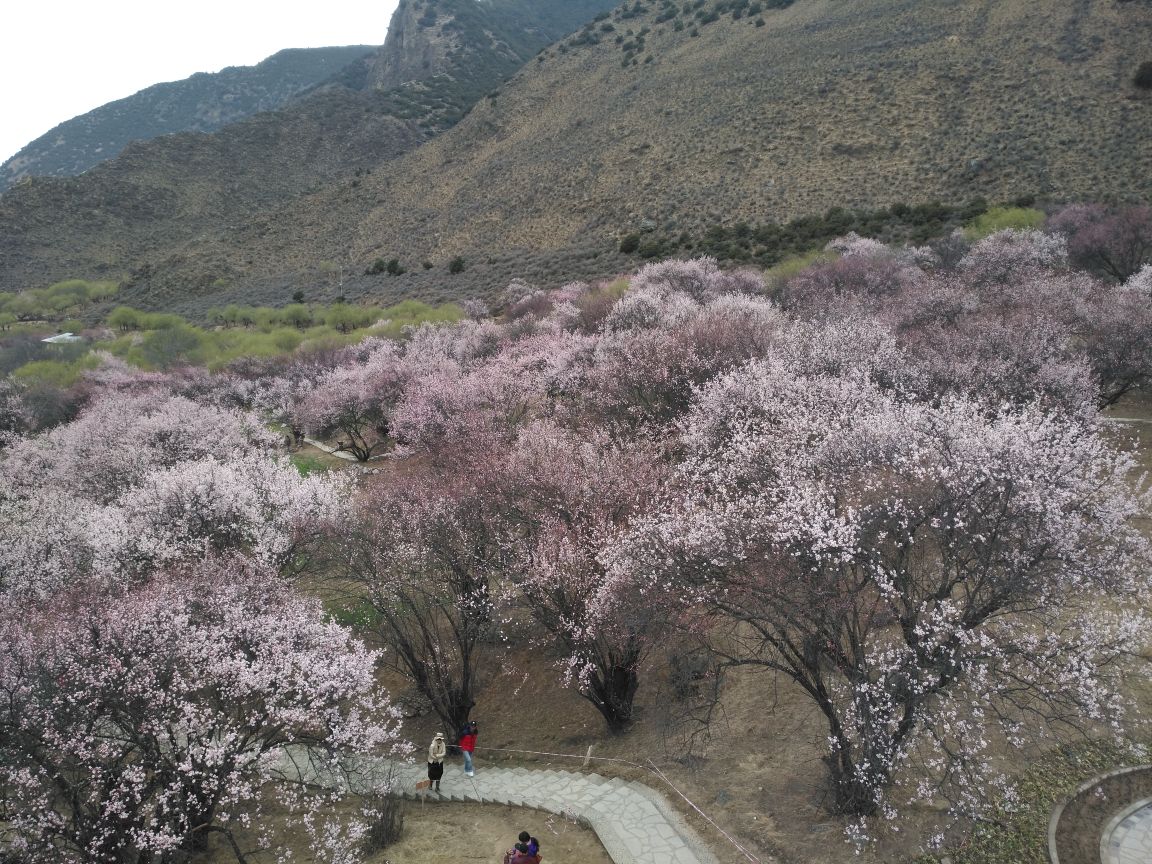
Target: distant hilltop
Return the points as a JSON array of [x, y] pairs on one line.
[[530, 138], [204, 102]]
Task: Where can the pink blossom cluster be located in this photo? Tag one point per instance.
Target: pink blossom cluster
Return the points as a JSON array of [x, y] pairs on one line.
[[139, 723], [887, 482], [142, 481], [892, 487], [162, 682]]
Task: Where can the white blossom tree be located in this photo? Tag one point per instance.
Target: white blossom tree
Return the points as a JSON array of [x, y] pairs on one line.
[[136, 725], [927, 574]]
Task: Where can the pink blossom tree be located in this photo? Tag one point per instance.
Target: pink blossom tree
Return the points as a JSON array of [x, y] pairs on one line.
[[482, 403], [927, 575], [250, 504], [1116, 335], [151, 480], [1063, 337], [14, 418], [117, 440], [699, 278], [658, 348], [1012, 254], [575, 493], [134, 726], [355, 402], [430, 558], [1115, 242], [854, 283]]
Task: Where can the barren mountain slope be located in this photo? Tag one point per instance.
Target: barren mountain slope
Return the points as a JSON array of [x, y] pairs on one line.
[[201, 103], [832, 103], [829, 103], [674, 116], [183, 198]]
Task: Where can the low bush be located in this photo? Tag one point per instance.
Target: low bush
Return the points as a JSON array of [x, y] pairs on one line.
[[1143, 76], [1001, 218], [386, 823]]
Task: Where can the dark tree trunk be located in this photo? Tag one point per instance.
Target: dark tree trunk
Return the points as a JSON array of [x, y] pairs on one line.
[[612, 691]]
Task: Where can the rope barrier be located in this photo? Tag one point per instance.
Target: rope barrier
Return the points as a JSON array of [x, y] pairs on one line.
[[652, 769]]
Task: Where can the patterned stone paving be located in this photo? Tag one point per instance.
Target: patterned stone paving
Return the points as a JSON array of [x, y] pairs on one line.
[[634, 823], [1128, 839]]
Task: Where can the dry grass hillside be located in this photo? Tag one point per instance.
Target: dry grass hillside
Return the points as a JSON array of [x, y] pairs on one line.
[[190, 190], [173, 206], [673, 116], [832, 103]]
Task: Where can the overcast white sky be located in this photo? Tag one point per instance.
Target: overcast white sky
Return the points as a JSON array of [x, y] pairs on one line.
[[61, 58]]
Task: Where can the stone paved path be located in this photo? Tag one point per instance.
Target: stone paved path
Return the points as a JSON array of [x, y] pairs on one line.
[[635, 824], [1128, 840]]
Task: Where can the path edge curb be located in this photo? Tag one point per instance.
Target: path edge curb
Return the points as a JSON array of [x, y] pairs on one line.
[[1058, 810]]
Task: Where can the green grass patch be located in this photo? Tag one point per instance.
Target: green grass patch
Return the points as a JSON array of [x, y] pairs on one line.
[[1001, 218], [357, 615], [307, 464]]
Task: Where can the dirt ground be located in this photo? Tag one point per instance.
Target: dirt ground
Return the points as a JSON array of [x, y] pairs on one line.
[[454, 833], [449, 832]]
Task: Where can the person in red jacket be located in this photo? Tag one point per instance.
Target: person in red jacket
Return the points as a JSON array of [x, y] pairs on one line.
[[467, 745]]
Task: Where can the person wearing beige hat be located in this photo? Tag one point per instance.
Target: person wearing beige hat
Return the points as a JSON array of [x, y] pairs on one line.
[[437, 750]]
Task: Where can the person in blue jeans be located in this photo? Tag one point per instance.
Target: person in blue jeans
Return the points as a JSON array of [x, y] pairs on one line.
[[467, 745]]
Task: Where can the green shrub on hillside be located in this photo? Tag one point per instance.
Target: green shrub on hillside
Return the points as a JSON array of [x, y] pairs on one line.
[[124, 318], [156, 341], [51, 303], [775, 277], [168, 347], [56, 373], [1001, 218], [767, 244]]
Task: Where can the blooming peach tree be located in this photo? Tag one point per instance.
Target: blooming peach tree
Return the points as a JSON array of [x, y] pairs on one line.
[[574, 495], [135, 726], [430, 557], [147, 481], [930, 575]]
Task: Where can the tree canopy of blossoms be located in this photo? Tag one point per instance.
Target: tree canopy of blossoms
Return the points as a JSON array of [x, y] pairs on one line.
[[136, 725], [1115, 242], [429, 556], [922, 572], [574, 496], [147, 481], [886, 482]]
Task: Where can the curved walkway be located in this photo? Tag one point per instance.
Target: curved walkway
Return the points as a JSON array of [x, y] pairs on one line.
[[635, 824], [1128, 837], [1106, 820]]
